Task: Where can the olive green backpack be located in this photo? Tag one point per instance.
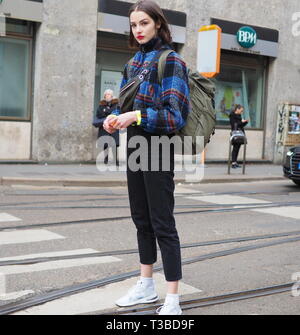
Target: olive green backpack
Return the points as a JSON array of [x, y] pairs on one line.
[[201, 120]]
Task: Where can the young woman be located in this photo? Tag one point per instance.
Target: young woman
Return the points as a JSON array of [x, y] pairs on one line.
[[237, 123], [160, 108]]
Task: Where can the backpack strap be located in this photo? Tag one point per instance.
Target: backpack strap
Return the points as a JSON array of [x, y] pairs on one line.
[[162, 57], [162, 63]]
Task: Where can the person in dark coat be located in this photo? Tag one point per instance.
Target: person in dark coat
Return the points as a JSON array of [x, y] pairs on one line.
[[237, 123], [106, 107]]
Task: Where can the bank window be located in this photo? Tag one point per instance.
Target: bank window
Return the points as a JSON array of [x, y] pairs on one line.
[[243, 86], [109, 72], [14, 78]]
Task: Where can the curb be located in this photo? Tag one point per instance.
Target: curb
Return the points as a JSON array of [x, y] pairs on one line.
[[8, 181]]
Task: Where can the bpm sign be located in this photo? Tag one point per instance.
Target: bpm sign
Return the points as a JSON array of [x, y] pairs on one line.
[[247, 37]]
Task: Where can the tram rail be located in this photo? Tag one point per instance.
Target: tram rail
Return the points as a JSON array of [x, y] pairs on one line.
[[135, 251], [73, 289], [218, 209], [115, 197], [202, 302], [290, 237]]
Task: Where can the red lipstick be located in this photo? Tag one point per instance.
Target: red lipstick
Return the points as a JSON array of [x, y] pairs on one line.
[[140, 37]]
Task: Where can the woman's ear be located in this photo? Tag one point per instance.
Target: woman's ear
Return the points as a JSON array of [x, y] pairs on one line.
[[158, 25]]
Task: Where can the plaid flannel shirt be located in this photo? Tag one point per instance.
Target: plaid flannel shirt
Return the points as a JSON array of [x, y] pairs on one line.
[[164, 107]]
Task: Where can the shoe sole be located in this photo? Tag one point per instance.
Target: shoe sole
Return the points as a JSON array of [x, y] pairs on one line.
[[169, 314], [138, 302]]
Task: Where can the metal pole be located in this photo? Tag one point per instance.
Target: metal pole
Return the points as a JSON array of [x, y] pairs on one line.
[[244, 162], [229, 158]]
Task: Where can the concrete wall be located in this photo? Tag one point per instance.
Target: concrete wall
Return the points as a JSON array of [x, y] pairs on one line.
[[15, 140], [218, 148], [64, 73], [64, 81], [284, 72]]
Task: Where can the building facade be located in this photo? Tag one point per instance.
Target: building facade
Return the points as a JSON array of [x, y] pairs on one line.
[[57, 58]]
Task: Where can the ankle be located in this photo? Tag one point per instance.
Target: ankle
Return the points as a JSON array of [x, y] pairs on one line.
[[147, 281], [172, 298]]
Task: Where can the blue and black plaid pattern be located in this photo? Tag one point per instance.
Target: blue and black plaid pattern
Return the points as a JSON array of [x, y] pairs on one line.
[[164, 107]]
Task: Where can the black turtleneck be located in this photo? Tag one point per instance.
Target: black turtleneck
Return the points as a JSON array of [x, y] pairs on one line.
[[154, 44]]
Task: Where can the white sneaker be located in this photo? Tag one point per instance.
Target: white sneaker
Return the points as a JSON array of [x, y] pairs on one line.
[[138, 294], [169, 309]]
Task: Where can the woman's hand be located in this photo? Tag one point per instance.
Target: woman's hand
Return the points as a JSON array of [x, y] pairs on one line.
[[109, 123], [125, 120]]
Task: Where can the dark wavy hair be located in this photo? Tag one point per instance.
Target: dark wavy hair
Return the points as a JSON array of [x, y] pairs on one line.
[[236, 107], [155, 12]]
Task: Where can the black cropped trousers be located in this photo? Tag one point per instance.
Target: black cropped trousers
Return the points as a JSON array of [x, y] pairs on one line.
[[235, 152], [151, 197]]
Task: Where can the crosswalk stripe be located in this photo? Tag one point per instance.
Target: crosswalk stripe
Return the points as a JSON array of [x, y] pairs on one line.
[[183, 190], [289, 212], [27, 236], [15, 295], [2, 284], [99, 299], [4, 217], [228, 199], [49, 254], [12, 295], [55, 265]]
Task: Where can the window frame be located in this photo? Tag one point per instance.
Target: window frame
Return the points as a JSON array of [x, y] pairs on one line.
[[246, 63], [18, 36]]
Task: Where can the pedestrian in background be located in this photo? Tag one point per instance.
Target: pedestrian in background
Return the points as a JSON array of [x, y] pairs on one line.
[[106, 107], [237, 123], [160, 108]]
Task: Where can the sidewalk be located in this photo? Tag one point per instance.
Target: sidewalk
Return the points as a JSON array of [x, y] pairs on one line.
[[88, 175]]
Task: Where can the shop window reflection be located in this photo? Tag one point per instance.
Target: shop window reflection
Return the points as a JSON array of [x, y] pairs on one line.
[[238, 85], [14, 78]]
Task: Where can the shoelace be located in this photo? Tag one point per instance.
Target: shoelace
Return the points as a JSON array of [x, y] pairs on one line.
[[136, 287]]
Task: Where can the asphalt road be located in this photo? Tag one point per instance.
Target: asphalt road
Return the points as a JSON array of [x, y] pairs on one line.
[[46, 222]]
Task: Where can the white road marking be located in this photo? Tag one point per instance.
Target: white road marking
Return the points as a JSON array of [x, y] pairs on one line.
[[15, 269], [27, 236], [99, 299], [2, 284], [4, 217], [184, 190], [49, 254], [289, 212], [55, 265], [15, 295], [10, 296], [228, 199]]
